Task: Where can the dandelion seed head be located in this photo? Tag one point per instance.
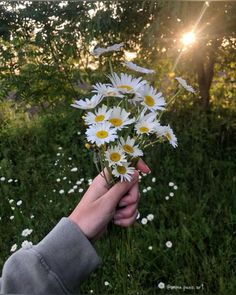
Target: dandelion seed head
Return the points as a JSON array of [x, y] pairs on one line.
[[171, 194], [75, 169], [169, 244], [175, 187], [144, 221], [167, 197], [61, 191], [150, 248], [3, 178], [171, 183], [161, 285], [11, 217], [81, 190], [150, 217], [154, 179], [18, 203]]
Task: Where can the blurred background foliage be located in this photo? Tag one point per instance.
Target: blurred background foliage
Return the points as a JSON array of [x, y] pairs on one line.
[[45, 63]]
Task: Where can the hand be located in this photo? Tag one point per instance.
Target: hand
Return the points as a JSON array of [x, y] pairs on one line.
[[100, 204]]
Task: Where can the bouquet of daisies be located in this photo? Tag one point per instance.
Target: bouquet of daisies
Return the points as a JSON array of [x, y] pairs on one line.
[[123, 118]]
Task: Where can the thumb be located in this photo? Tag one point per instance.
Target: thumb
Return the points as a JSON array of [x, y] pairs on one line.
[[115, 193]]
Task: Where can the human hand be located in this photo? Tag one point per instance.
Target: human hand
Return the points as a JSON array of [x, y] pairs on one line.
[[100, 204]]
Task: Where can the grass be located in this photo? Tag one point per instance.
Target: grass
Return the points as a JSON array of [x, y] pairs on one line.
[[199, 220]]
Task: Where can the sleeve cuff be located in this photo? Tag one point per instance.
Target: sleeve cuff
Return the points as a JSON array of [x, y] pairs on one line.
[[68, 253]]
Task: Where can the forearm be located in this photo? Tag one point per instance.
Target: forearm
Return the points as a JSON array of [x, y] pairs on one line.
[[58, 264]]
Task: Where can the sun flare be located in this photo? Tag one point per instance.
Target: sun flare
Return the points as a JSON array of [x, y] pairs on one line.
[[188, 38]]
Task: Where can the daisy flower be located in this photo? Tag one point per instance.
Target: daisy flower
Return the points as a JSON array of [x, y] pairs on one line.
[[120, 118], [167, 132], [101, 133], [146, 124], [151, 99], [87, 103], [124, 172], [115, 156], [99, 50], [101, 115], [134, 67], [130, 148], [106, 90], [126, 83], [183, 83]]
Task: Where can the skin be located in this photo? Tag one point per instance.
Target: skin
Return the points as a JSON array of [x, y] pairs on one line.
[[101, 204]]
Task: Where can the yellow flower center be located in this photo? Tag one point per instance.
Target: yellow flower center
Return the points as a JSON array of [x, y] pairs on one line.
[[115, 157], [102, 134], [143, 129], [148, 100], [127, 87], [128, 149], [116, 121], [121, 169], [99, 118], [168, 136]]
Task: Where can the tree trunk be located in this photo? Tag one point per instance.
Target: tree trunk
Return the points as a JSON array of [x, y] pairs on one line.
[[206, 58]]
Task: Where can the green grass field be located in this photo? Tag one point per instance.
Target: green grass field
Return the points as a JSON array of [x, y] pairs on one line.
[[36, 159]]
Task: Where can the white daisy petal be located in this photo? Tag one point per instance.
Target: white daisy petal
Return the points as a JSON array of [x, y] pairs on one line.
[[99, 50], [126, 83], [87, 103], [119, 118], [130, 148], [134, 67], [115, 156], [150, 99], [183, 83], [101, 115], [101, 133], [125, 172], [167, 133], [146, 123], [106, 90]]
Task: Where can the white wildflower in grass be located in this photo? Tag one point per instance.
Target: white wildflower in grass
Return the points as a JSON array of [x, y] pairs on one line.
[[10, 180], [61, 191], [171, 183], [149, 188], [11, 217], [169, 244], [64, 178], [125, 83], [18, 203], [81, 190], [167, 133], [183, 83], [124, 172], [144, 190], [129, 147], [154, 179], [26, 244], [3, 178], [58, 180], [101, 50], [106, 90], [101, 133], [106, 283], [171, 194], [58, 154], [71, 191], [136, 68], [16, 180], [26, 232], [75, 186], [115, 156], [151, 99], [150, 248], [161, 285], [13, 248], [11, 201], [70, 159], [175, 187], [87, 103], [60, 148], [31, 216], [150, 217], [75, 169], [100, 115], [144, 221], [167, 198], [119, 118], [13, 208]]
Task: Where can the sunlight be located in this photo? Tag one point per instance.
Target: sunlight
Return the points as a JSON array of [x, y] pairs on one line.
[[188, 38]]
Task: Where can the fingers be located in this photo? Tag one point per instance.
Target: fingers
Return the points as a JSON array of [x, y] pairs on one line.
[[125, 222], [126, 212], [115, 193], [132, 196], [141, 165]]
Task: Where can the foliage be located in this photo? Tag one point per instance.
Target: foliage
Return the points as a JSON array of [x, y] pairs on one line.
[[199, 219]]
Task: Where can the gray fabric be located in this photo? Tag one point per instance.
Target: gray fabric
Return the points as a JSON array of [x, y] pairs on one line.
[[58, 264]]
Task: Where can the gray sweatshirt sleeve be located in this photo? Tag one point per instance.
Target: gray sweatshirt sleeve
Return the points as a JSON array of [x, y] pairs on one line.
[[58, 264]]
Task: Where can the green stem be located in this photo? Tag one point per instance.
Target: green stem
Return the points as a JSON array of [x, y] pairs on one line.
[[170, 101]]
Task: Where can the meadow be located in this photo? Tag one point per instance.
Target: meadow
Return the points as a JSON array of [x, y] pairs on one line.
[[184, 239]]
